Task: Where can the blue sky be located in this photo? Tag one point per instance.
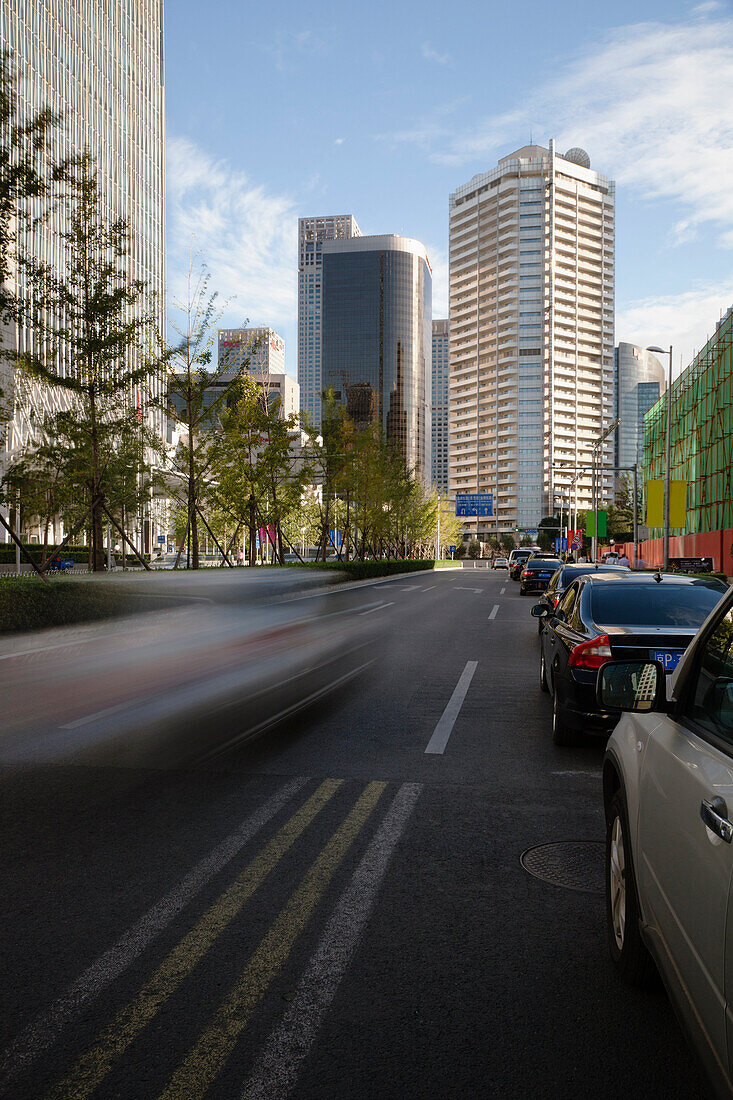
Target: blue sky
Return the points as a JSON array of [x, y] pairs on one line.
[[285, 109]]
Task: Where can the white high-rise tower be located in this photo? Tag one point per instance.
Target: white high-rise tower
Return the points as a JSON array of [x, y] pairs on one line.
[[312, 232], [531, 334]]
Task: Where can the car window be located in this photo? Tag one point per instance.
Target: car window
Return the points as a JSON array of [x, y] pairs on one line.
[[711, 704], [568, 602], [662, 604]]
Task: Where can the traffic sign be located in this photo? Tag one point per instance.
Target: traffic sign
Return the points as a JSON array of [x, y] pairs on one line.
[[475, 504]]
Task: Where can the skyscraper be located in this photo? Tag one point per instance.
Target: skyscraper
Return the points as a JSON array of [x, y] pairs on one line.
[[531, 332], [261, 349], [312, 232], [100, 66], [640, 382], [377, 303], [441, 346]]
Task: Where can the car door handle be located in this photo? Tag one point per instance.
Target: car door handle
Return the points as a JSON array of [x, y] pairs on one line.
[[714, 813]]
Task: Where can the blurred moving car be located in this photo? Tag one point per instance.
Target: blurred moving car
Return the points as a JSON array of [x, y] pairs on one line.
[[668, 800], [606, 616], [537, 574], [172, 687], [563, 577], [500, 563]]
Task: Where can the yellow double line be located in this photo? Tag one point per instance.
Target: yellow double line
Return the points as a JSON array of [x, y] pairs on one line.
[[207, 1057]]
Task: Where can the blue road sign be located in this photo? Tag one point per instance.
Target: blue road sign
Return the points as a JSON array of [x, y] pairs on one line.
[[530, 530], [560, 544], [475, 504]]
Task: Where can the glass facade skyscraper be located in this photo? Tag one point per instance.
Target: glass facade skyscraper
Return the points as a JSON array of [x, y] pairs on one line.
[[376, 341], [312, 232], [639, 383], [99, 65]]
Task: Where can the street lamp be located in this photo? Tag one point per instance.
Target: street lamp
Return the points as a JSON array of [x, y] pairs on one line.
[[668, 452], [599, 443]]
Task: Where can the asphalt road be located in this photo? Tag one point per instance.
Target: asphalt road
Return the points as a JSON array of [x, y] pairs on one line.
[[332, 910]]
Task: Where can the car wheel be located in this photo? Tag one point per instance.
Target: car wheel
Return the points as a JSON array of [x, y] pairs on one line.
[[627, 949], [561, 735], [521, 591], [544, 686]]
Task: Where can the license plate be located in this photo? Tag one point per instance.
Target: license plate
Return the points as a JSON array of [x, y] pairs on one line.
[[670, 660]]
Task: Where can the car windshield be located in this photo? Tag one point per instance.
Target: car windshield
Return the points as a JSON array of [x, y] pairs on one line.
[[660, 604], [543, 563]]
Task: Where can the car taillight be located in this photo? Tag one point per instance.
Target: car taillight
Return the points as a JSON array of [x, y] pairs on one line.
[[557, 601], [591, 654], [526, 574]]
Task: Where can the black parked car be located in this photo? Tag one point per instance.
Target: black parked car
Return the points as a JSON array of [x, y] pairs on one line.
[[563, 578], [605, 616], [537, 574]]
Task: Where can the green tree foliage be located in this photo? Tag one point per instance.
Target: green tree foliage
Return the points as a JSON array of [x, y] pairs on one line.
[[196, 396], [93, 333], [474, 549], [28, 176]]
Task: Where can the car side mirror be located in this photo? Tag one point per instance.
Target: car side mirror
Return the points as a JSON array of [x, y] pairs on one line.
[[540, 611], [631, 686]]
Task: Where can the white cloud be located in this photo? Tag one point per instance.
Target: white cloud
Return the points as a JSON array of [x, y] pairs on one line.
[[431, 54], [246, 235], [683, 320], [339, 141], [707, 7], [650, 103]]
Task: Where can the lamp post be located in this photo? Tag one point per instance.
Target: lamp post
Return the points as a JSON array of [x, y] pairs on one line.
[[668, 452], [599, 443]]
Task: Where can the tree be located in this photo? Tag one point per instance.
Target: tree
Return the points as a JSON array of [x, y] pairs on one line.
[[525, 540], [94, 333], [547, 532], [507, 541], [28, 176], [474, 548], [196, 396]]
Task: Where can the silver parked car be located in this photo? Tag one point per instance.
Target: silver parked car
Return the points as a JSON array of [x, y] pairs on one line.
[[668, 794]]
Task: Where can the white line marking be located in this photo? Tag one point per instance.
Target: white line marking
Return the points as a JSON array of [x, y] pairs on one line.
[[429, 588], [379, 607], [579, 771], [46, 1028], [276, 1070], [494, 609], [408, 587], [502, 591], [460, 588], [97, 714], [57, 645], [444, 728]]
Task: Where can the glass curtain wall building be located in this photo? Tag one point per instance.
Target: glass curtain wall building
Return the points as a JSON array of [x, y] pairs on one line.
[[640, 382], [376, 347], [701, 434], [99, 65], [441, 356], [312, 232]]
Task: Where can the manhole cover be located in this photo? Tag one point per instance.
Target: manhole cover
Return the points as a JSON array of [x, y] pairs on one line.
[[574, 864]]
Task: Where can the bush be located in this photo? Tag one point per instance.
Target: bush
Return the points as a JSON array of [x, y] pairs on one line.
[[27, 603], [363, 570], [474, 549]]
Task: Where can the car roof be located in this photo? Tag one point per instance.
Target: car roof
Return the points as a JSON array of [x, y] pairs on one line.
[[651, 578]]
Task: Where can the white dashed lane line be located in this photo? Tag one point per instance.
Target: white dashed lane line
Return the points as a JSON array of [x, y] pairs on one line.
[[492, 613], [379, 607], [444, 728]]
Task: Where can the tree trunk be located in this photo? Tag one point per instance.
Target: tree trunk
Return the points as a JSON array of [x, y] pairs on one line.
[[98, 562], [252, 530]]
